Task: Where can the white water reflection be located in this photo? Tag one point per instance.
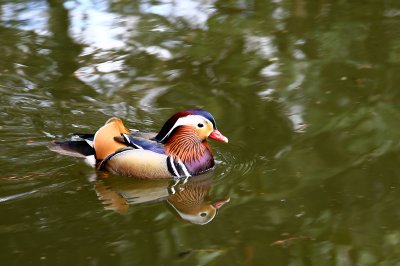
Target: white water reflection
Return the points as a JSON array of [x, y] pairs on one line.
[[195, 13], [296, 117], [31, 16], [262, 45], [159, 52], [271, 70], [94, 24]]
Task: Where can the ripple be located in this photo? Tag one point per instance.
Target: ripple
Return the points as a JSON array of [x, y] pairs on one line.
[[33, 185], [15, 196], [233, 163], [245, 167]]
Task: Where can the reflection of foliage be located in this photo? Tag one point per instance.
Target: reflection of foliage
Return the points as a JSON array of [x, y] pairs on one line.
[[262, 68]]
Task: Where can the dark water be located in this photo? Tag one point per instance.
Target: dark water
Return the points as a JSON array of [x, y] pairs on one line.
[[307, 92]]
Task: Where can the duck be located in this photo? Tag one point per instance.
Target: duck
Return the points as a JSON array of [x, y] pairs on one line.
[[179, 149]]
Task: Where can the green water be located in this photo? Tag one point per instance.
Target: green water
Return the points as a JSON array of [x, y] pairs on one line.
[[306, 91]]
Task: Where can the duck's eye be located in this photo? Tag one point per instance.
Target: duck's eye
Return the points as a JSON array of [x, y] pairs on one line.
[[203, 214], [200, 125]]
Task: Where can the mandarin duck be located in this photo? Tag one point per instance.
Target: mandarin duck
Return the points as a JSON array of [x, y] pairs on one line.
[[188, 200], [179, 149]]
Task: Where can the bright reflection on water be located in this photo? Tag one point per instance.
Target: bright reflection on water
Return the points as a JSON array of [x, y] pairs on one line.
[[306, 91]]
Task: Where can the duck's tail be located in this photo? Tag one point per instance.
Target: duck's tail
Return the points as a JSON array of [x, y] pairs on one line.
[[93, 147], [80, 146], [73, 148]]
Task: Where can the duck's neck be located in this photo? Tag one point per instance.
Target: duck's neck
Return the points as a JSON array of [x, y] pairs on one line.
[[194, 153]]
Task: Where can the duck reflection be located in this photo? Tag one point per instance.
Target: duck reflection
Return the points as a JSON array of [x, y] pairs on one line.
[[187, 198]]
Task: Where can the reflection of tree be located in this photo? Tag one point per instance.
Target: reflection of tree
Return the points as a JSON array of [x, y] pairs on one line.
[[348, 99], [64, 51], [258, 66], [329, 65]]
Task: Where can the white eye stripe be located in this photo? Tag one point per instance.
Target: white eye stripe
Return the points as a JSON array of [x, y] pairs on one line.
[[187, 121]]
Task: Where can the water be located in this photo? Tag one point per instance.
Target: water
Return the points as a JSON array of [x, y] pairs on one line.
[[306, 91]]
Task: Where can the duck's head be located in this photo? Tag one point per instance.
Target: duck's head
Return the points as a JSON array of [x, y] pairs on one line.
[[197, 121]]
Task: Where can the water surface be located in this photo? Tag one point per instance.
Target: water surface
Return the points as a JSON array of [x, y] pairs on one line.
[[306, 91]]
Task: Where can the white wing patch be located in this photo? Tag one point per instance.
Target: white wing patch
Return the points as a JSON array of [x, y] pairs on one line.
[[90, 160], [90, 142], [127, 139]]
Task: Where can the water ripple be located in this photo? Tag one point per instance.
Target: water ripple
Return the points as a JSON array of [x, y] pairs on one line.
[[15, 196], [233, 164]]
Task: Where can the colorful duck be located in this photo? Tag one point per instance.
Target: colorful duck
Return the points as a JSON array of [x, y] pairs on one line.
[[180, 149]]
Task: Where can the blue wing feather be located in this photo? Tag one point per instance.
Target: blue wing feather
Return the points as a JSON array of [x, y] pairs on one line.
[[145, 144]]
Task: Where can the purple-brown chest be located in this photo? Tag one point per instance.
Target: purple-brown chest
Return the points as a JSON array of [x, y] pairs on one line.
[[200, 164]]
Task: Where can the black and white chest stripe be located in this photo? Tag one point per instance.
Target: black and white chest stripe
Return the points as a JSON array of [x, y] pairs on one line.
[[177, 168]]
